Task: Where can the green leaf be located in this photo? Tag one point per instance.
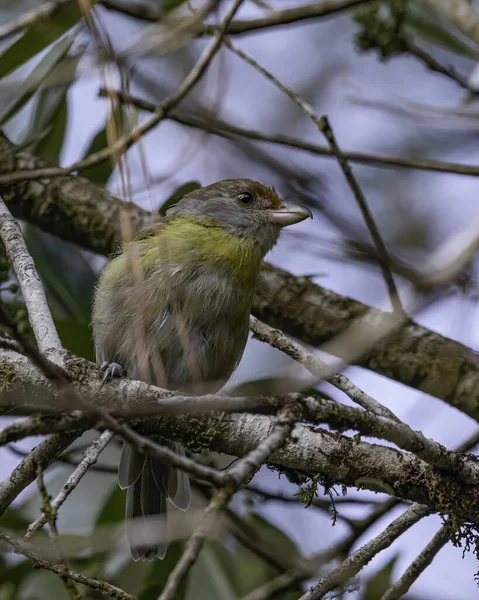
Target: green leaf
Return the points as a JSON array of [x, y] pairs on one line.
[[37, 76], [50, 145], [100, 173], [49, 118], [432, 32], [212, 576], [15, 574], [14, 519], [76, 337], [113, 509], [158, 573], [39, 36], [285, 548], [259, 570], [430, 25], [178, 194], [380, 581], [169, 5], [66, 274]]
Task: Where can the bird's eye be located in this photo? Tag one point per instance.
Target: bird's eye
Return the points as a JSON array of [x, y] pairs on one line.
[[245, 199]]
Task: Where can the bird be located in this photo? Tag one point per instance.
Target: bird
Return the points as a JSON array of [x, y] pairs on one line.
[[172, 309]]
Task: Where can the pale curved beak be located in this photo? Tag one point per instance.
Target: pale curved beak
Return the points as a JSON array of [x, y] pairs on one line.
[[289, 214]]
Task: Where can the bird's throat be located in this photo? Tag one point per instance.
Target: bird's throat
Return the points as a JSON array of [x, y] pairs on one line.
[[194, 243]]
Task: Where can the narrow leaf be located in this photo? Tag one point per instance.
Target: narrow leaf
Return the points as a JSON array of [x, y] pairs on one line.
[[178, 194], [38, 37], [37, 77], [100, 173]]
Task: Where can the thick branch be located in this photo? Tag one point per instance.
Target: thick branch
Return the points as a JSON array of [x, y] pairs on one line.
[[312, 450], [76, 210]]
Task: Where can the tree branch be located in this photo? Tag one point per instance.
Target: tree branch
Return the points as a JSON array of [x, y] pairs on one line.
[[235, 476], [317, 367], [227, 130], [338, 458], [32, 289]]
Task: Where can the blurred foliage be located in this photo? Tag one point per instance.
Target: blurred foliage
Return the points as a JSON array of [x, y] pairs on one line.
[[178, 194], [38, 68], [381, 27], [384, 25]]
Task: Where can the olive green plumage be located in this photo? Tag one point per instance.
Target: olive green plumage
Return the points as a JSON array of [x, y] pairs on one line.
[[173, 310]]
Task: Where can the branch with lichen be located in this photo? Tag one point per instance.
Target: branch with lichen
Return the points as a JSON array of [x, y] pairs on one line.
[[132, 399], [76, 210], [335, 457]]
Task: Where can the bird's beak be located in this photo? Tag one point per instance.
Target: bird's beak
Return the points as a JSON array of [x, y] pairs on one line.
[[289, 214]]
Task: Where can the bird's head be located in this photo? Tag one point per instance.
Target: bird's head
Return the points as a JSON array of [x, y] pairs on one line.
[[244, 208]]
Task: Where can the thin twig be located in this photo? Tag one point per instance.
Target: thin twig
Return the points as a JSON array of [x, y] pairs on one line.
[[358, 559], [227, 130], [32, 289], [418, 566], [268, 496], [89, 458], [51, 516], [433, 64], [39, 562], [289, 16], [278, 18], [317, 367], [323, 125], [123, 143]]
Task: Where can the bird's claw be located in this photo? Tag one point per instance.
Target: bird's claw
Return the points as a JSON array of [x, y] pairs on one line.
[[111, 371]]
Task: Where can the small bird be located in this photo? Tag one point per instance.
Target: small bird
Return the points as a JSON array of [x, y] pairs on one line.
[[172, 309]]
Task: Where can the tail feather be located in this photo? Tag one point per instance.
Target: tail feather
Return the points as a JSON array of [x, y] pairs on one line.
[[149, 483], [130, 467], [181, 498]]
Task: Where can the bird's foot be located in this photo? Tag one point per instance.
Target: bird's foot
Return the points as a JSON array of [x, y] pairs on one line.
[[111, 371]]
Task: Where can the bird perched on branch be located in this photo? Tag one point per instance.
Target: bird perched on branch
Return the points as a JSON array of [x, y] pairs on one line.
[[173, 310]]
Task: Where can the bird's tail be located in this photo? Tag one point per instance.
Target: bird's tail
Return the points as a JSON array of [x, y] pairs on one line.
[[149, 483]]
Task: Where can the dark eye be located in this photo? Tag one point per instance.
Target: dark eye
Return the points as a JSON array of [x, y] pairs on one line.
[[245, 199]]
